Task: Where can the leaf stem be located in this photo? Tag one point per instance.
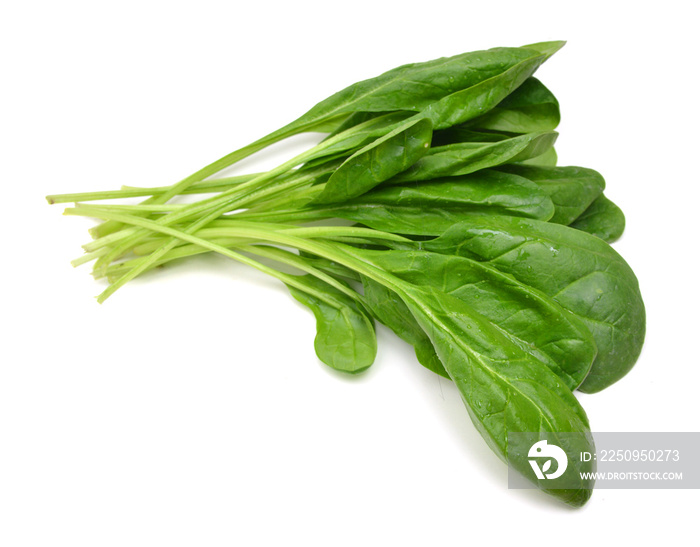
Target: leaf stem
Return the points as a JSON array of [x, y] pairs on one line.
[[335, 252]]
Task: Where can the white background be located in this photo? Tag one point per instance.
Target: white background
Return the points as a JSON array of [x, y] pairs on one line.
[[190, 409]]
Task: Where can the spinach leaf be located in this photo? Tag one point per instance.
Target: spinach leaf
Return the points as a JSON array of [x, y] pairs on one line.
[[572, 189], [464, 158], [503, 387], [527, 317], [345, 338], [430, 208], [388, 308], [474, 101], [603, 219], [382, 159], [461, 134], [363, 134], [414, 87], [530, 108], [547, 159], [579, 271]]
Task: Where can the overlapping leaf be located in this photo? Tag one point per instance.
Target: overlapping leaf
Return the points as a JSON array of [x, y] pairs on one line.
[[530, 319], [603, 219], [579, 271], [572, 189], [503, 387]]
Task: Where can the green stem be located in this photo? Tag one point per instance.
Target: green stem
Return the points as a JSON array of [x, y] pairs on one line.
[[276, 254], [290, 215], [336, 252], [225, 228], [291, 259], [285, 278], [200, 187], [115, 271], [140, 208], [302, 194], [342, 141], [310, 232], [132, 236]]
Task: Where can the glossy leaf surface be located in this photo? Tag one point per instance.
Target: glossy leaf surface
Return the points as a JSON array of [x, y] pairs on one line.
[[430, 208], [530, 108], [464, 158], [382, 159], [503, 387], [478, 99], [579, 271], [526, 316], [414, 87], [572, 189]]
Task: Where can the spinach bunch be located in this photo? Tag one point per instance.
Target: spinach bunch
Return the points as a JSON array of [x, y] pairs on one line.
[[460, 233]]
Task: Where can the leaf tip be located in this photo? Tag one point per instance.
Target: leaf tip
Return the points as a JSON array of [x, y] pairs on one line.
[[547, 48]]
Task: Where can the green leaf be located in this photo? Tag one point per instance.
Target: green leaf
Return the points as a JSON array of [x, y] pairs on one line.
[[363, 134], [430, 208], [603, 219], [572, 189], [461, 134], [547, 48], [579, 271], [388, 308], [345, 338], [503, 387], [547, 159], [474, 101], [394, 152], [464, 158], [526, 316], [413, 87], [530, 108]]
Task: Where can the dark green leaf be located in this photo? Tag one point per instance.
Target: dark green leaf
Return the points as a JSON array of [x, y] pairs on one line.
[[388, 308], [526, 316], [503, 387], [579, 271], [603, 219], [382, 159], [430, 208], [530, 108], [474, 101], [416, 86], [461, 159], [572, 189], [461, 134]]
